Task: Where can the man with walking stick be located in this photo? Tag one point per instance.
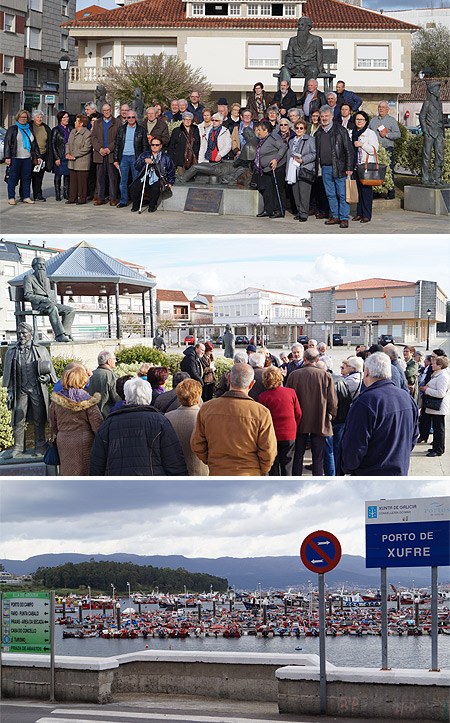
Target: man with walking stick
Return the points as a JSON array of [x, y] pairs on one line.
[[156, 175]]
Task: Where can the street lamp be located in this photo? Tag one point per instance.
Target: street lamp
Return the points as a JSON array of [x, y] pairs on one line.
[[129, 601], [426, 71], [90, 601], [64, 63], [428, 328], [3, 86]]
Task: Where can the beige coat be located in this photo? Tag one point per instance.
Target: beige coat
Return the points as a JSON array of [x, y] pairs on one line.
[[318, 400], [234, 436], [74, 424], [183, 421], [80, 145]]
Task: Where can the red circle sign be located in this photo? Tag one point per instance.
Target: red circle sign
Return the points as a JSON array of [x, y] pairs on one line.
[[320, 551]]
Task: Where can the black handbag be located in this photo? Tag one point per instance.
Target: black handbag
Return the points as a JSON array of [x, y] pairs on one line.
[[51, 454], [433, 403], [303, 174], [371, 174], [6, 179]]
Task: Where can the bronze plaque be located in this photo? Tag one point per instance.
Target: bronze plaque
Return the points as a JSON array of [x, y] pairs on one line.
[[204, 200]]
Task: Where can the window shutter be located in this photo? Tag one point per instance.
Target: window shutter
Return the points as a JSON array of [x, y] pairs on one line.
[[2, 20], [20, 24], [18, 65]]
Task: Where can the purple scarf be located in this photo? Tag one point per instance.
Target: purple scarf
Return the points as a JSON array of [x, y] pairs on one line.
[[66, 131], [75, 395], [257, 163]]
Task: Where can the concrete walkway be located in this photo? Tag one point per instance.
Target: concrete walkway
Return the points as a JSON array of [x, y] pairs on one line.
[[53, 217]]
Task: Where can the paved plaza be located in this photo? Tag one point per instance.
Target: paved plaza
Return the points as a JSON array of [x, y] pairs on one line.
[[53, 217]]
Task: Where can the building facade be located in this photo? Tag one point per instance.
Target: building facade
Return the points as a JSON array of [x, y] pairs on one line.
[[363, 310], [12, 34]]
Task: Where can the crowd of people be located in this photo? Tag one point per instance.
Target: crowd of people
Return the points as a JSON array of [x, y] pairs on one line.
[[258, 419], [298, 152]]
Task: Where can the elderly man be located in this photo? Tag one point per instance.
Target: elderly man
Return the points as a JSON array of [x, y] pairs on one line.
[[304, 54], [327, 360], [382, 425], [347, 96], [257, 361], [222, 108], [285, 98], [137, 439], [103, 138], [195, 107], [318, 401], [332, 102], [131, 141], [297, 359], [312, 99], [103, 381], [335, 155], [234, 435], [387, 130], [182, 105], [36, 290], [397, 373], [174, 113], [27, 370], [122, 117], [191, 362], [156, 127]]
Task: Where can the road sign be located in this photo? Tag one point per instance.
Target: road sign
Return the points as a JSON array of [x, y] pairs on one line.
[[408, 532], [50, 99], [26, 622], [320, 551]]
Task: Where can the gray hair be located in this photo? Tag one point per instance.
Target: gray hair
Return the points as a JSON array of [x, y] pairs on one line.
[[392, 351], [356, 363], [297, 345], [106, 103], [311, 355], [378, 366], [383, 102], [217, 116], [36, 260], [103, 356], [325, 109], [182, 100], [321, 365], [333, 94], [151, 107], [179, 377], [286, 120], [187, 114], [257, 360], [296, 110], [241, 376], [241, 357], [24, 325], [273, 107], [313, 341], [37, 112], [90, 105], [321, 346], [138, 391]]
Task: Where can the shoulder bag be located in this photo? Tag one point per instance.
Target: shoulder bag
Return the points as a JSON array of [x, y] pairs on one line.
[[433, 403], [51, 454], [371, 174]]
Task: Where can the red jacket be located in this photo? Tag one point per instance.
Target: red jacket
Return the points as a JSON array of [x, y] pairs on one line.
[[285, 410]]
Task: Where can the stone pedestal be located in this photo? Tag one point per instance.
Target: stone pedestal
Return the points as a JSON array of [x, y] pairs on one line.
[[426, 199], [235, 201]]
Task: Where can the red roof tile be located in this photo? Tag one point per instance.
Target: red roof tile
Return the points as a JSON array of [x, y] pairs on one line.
[[87, 12], [419, 89], [171, 295], [366, 284], [325, 14]]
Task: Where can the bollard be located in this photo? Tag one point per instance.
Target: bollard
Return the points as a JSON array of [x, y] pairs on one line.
[[214, 608], [118, 615], [265, 613], [199, 610], [80, 612], [64, 608]]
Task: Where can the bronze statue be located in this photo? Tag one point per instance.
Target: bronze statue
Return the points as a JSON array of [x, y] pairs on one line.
[[431, 119], [27, 370], [36, 289], [228, 342], [304, 55], [158, 341], [137, 104], [100, 97]]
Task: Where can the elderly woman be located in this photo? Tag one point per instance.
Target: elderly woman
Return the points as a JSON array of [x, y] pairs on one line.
[[269, 171], [352, 371], [286, 131], [272, 117], [365, 143], [137, 440], [300, 171], [237, 136], [74, 421], [436, 402], [144, 369], [217, 144], [20, 152], [209, 372], [234, 117], [43, 136], [346, 118], [258, 102], [60, 138], [183, 421], [286, 415], [184, 144], [204, 127], [78, 154], [157, 378]]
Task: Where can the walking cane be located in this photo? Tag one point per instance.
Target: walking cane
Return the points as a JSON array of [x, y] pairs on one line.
[[143, 187], [278, 193]]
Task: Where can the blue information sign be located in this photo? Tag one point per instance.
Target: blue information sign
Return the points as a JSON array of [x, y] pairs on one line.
[[408, 532]]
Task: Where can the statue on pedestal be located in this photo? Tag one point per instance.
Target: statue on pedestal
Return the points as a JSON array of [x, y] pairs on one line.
[[431, 119], [137, 104], [100, 97], [228, 342], [27, 370], [36, 289], [158, 341], [304, 55]]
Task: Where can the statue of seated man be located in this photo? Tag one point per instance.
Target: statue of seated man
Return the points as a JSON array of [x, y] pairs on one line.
[[304, 55], [36, 290]]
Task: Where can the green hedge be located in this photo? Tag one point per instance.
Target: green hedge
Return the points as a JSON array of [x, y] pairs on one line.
[[141, 353], [6, 435]]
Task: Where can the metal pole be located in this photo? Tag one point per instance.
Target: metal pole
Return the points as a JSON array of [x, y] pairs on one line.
[[384, 620], [434, 618], [65, 89], [152, 331], [1, 640], [323, 673], [118, 332], [52, 646], [143, 314], [108, 311], [428, 333]]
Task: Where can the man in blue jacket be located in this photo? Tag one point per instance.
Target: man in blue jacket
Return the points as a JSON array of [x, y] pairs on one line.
[[382, 425], [347, 96]]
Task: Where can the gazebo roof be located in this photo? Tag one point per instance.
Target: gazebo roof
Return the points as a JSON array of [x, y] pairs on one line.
[[84, 269]]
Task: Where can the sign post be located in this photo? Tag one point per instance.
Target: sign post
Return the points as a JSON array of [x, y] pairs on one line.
[[320, 552], [408, 533]]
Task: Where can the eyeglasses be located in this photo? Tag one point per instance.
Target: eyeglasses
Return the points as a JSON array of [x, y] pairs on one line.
[[216, 120], [156, 144], [131, 117]]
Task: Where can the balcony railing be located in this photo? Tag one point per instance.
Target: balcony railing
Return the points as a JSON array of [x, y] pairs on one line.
[[80, 74]]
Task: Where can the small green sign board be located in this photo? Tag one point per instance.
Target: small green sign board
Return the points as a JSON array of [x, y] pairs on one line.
[[26, 622]]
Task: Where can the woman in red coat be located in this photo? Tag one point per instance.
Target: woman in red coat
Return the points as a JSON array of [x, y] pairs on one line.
[[286, 415]]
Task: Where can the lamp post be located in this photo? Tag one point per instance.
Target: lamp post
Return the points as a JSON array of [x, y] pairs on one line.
[[428, 328], [3, 86], [64, 63], [129, 601]]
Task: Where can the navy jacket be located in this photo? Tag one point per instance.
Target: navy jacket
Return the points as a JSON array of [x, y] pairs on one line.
[[192, 365], [398, 376], [348, 96], [136, 440], [166, 166], [380, 432]]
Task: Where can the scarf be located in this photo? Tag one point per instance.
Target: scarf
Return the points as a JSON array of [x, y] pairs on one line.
[[241, 132], [66, 132], [212, 143], [189, 155], [260, 106], [257, 163], [154, 171], [75, 395], [357, 150], [26, 140]]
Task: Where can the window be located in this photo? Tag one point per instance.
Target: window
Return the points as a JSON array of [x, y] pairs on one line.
[[131, 52], [198, 9], [397, 331], [213, 9], [289, 11], [8, 64], [64, 42], [371, 305], [263, 56], [106, 55], [9, 270], [36, 5], [8, 23], [34, 38], [402, 303], [263, 10], [342, 330], [372, 56], [346, 306], [234, 9], [356, 331], [30, 76], [65, 8]]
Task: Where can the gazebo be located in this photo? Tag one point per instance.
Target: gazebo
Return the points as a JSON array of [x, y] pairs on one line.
[[84, 270]]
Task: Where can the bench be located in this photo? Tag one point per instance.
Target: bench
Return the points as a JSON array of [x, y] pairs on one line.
[[329, 58], [16, 294]]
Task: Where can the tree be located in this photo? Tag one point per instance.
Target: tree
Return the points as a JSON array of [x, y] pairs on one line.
[[431, 49], [160, 77]]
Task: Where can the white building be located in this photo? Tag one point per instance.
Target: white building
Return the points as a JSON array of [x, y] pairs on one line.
[[425, 17]]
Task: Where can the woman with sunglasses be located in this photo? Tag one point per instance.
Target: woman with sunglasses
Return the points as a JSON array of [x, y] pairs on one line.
[[300, 170], [286, 131], [160, 167]]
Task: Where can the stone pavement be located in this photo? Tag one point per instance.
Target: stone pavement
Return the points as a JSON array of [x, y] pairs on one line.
[[56, 218]]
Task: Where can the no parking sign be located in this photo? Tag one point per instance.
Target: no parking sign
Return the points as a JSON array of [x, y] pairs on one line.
[[320, 551]]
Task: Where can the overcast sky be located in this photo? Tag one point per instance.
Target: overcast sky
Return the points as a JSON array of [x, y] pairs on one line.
[[277, 263], [195, 518]]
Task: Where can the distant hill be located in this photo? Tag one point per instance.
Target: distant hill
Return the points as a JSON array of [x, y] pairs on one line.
[[246, 573]]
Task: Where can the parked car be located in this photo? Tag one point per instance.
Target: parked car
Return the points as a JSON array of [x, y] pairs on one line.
[[414, 129], [302, 339], [257, 342], [384, 339], [338, 340], [219, 341], [241, 339], [189, 339]]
